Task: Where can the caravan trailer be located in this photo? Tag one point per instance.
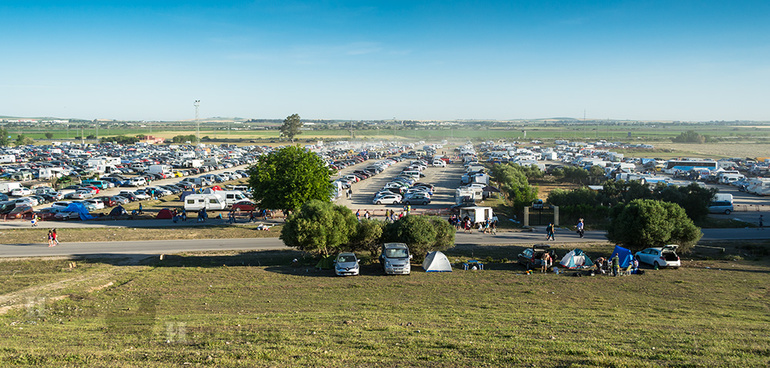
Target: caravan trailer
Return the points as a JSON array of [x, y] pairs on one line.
[[759, 186], [197, 202]]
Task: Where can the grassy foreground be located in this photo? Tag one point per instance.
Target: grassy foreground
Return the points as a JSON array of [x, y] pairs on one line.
[[256, 309]]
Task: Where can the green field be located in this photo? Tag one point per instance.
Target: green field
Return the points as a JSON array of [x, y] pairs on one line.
[[255, 309]]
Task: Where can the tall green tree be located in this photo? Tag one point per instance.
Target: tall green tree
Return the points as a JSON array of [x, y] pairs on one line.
[[4, 140], [320, 228], [291, 127], [23, 140], [289, 177], [514, 184], [646, 223]]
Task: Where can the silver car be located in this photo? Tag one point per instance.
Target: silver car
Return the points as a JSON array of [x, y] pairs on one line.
[[346, 264], [660, 257]]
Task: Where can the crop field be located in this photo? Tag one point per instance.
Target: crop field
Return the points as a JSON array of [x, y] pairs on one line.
[[257, 309]]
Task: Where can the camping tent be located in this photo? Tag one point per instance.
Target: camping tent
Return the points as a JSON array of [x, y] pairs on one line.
[[117, 211], [436, 262], [624, 255], [576, 259], [165, 214], [80, 209]]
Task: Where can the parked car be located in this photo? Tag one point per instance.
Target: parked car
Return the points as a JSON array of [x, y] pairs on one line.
[[532, 258], [346, 264], [97, 203], [119, 199], [245, 206], [395, 259], [20, 211], [388, 199], [417, 198], [664, 256], [67, 215], [20, 192]]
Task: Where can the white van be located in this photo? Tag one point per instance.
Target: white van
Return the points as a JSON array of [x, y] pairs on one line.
[[8, 187], [229, 196], [197, 202]]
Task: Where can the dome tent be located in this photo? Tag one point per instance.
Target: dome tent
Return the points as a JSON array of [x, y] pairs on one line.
[[576, 259], [436, 262]]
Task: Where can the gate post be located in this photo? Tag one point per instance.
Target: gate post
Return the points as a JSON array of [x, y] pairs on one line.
[[555, 215], [526, 217]]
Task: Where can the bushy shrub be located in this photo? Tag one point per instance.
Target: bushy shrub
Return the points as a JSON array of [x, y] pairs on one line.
[[368, 236], [422, 234], [646, 223]]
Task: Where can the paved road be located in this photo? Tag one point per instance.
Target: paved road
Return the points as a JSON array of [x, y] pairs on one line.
[[175, 246]]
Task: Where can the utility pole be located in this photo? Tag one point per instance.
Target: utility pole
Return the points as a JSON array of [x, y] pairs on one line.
[[197, 104]]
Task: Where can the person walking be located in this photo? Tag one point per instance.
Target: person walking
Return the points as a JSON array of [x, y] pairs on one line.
[[140, 209], [34, 219], [549, 231], [761, 222], [50, 239], [580, 228], [54, 237]]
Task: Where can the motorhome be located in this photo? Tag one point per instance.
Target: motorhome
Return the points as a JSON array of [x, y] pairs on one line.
[[197, 202], [164, 170]]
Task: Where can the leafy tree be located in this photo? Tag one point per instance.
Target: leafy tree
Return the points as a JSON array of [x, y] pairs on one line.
[[690, 136], [23, 140], [693, 198], [183, 138], [121, 139], [645, 223], [514, 184], [49, 135], [572, 174], [291, 127], [421, 233], [4, 140], [289, 177], [368, 236], [319, 227]]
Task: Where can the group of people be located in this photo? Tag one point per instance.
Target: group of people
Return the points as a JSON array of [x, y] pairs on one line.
[[53, 238], [487, 226], [550, 230], [604, 266]]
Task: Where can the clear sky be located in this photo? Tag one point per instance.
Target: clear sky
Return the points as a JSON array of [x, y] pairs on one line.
[[690, 60]]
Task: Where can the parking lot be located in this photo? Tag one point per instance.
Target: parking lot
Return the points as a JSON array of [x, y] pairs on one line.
[[446, 179]]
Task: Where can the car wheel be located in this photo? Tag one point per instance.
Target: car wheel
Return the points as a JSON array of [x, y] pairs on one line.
[[656, 264], [727, 212], [424, 203], [407, 202], [379, 202]]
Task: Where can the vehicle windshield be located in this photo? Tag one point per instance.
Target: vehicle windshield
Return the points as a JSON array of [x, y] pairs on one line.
[[346, 259], [396, 253]]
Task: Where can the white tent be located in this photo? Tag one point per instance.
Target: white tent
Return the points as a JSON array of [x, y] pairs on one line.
[[576, 259], [436, 262]]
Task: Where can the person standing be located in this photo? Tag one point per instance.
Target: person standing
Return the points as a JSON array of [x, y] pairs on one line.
[[546, 258], [761, 222], [140, 209], [615, 265], [580, 228]]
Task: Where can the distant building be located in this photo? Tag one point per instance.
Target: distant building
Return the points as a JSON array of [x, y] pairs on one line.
[[152, 140]]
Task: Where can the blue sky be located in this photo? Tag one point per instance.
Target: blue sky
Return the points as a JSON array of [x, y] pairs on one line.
[[149, 60]]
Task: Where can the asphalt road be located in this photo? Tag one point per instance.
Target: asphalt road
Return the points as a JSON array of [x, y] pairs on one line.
[[155, 247]]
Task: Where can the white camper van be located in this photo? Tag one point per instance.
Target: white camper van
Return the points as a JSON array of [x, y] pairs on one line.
[[197, 202]]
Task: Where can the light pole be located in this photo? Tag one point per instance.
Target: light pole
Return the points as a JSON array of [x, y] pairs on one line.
[[197, 104]]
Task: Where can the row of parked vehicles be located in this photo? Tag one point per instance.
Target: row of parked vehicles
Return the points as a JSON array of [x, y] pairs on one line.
[[405, 188]]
